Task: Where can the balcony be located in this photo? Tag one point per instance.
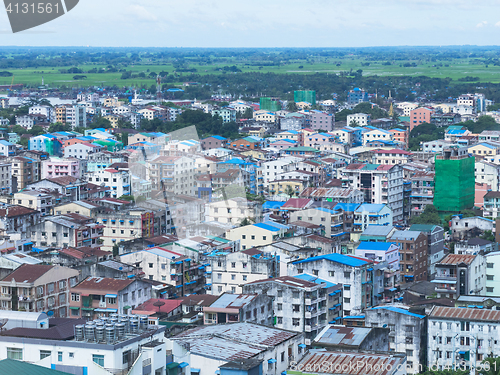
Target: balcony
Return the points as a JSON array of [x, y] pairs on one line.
[[307, 328]]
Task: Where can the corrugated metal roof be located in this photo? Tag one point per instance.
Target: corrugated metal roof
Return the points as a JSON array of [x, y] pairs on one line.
[[336, 258], [232, 301], [458, 313], [398, 310], [13, 367], [453, 259], [340, 335]]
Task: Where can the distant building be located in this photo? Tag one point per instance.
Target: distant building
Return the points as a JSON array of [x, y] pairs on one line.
[[356, 96], [308, 96]]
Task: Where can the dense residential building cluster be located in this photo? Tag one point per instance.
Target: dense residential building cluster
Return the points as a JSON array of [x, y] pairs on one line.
[[302, 240]]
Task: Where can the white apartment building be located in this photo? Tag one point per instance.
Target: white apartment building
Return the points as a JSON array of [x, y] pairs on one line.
[[76, 116], [271, 169], [383, 185], [81, 150], [361, 119], [231, 271], [458, 335], [174, 174], [45, 110], [5, 177], [356, 276], [488, 173], [82, 348], [118, 181], [407, 332], [492, 276]]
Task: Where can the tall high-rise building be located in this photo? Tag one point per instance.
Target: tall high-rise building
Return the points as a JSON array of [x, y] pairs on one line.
[[305, 96], [454, 185]]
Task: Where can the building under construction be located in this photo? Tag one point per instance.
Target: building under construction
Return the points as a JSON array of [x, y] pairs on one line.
[[307, 96], [270, 104], [454, 180]]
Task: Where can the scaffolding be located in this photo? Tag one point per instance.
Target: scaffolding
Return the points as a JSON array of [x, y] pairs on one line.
[[307, 96], [454, 183]]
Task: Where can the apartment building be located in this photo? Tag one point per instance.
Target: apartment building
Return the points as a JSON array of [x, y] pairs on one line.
[[58, 167], [355, 274], [358, 119], [232, 270], [408, 332], [37, 288], [462, 335], [117, 180], [168, 267], [458, 275], [301, 304], [173, 174], [96, 297], [413, 253], [381, 184], [67, 230], [271, 169]]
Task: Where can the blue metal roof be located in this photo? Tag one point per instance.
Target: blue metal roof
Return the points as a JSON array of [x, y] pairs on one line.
[[399, 310], [269, 205], [376, 246], [325, 210], [336, 258], [314, 279], [370, 207], [267, 227], [347, 206]]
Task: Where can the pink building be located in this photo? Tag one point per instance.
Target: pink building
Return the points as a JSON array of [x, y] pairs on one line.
[[57, 167], [321, 120], [400, 135], [419, 116], [481, 190], [317, 139]]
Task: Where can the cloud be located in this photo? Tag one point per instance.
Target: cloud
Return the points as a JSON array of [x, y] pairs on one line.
[[497, 24], [141, 13], [482, 24]]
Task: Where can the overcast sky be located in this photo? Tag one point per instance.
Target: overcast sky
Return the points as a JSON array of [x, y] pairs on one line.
[[266, 23]]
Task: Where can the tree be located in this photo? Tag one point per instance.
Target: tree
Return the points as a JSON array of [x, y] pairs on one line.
[[246, 221], [429, 216], [100, 122], [116, 250], [129, 198], [59, 127], [488, 236], [490, 366], [289, 191], [291, 106]]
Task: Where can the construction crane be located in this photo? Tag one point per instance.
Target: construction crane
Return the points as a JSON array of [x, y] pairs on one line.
[[12, 83]]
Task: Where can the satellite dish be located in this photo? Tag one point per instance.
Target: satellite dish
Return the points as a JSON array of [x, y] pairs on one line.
[[120, 268], [384, 326], [50, 313]]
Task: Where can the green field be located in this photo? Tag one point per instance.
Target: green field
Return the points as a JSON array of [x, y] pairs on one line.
[[455, 69]]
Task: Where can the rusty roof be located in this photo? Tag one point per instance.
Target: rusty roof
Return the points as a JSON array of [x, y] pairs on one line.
[[103, 283], [342, 336], [287, 280], [14, 211], [454, 259], [457, 313], [332, 192], [63, 180], [330, 362], [28, 273]]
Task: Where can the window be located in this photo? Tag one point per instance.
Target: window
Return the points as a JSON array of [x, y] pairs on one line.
[[347, 275], [219, 276], [282, 356], [409, 353], [112, 301], [347, 300], [75, 297], [280, 306], [489, 289], [244, 277], [219, 288], [280, 293], [233, 265], [99, 359], [244, 265], [315, 272], [233, 277], [15, 353], [295, 294], [331, 273], [280, 320], [59, 356], [296, 308], [489, 265], [296, 322], [489, 277], [150, 265], [125, 297], [45, 354]]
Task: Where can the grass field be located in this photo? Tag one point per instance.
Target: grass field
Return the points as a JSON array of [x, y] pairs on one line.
[[454, 69]]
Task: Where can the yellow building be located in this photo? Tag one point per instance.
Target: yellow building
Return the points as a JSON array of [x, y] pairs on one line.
[[113, 119], [303, 105], [282, 187], [484, 149], [256, 154], [260, 132], [265, 116], [259, 234]]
